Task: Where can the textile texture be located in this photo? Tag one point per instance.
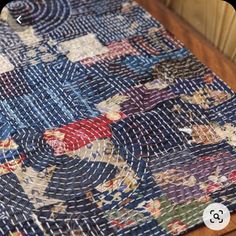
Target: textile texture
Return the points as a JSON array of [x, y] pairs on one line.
[[108, 124]]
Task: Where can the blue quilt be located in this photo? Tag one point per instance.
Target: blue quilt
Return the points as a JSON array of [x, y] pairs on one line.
[[108, 124]]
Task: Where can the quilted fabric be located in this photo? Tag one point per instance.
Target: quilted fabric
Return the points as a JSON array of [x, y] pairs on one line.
[[108, 125]]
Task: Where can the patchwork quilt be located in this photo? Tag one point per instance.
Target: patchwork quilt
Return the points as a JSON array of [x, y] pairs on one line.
[[108, 124]]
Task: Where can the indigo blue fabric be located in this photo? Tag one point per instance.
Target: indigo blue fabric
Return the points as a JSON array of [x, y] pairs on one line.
[[108, 124]]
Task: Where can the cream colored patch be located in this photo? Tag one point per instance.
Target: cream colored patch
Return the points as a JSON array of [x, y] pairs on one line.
[[5, 65], [228, 132], [156, 84], [126, 178], [113, 115], [83, 47], [4, 14], [34, 184], [112, 104], [28, 36]]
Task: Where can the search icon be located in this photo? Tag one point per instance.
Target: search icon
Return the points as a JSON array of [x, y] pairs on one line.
[[216, 216]]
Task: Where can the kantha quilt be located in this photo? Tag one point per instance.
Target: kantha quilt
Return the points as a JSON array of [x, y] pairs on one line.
[[108, 124]]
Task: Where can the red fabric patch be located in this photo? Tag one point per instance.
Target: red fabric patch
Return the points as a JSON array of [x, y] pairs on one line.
[[75, 135]]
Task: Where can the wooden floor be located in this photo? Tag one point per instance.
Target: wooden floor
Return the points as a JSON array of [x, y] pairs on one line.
[[211, 57]]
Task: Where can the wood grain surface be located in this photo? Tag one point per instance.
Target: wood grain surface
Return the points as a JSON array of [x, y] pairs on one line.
[[193, 40], [211, 57], [215, 19]]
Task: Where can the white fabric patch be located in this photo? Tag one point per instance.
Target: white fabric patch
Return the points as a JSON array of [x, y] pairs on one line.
[[28, 36], [4, 14], [83, 47], [6, 65]]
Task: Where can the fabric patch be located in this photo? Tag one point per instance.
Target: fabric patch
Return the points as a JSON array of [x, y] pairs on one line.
[[83, 47], [28, 36], [115, 50], [73, 136], [34, 184], [6, 66], [187, 182]]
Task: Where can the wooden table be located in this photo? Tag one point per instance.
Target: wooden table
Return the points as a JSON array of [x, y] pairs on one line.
[[200, 47], [211, 57]]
